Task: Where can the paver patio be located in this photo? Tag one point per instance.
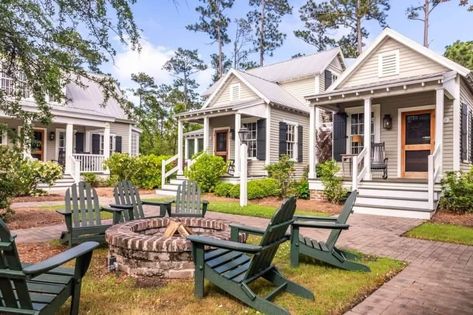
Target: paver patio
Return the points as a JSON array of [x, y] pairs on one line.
[[438, 279]]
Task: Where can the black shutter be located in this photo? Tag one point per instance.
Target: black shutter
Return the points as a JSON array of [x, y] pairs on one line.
[[339, 135], [328, 79], [261, 139], [464, 132], [79, 142], [300, 137], [118, 144], [95, 144], [282, 138]]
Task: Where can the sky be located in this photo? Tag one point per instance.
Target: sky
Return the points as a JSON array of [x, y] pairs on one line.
[[163, 24]]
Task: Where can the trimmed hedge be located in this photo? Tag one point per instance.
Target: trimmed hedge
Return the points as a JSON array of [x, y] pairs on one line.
[[258, 188]]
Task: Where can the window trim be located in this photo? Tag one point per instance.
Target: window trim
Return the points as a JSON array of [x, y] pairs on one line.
[[101, 141], [376, 109], [295, 151], [137, 135], [252, 120], [380, 63], [232, 96]]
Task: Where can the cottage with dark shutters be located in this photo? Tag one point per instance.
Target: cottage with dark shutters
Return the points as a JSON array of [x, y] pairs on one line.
[[83, 133], [269, 101]]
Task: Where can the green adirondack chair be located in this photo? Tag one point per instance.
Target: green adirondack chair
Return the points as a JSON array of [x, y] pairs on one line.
[[82, 215], [126, 195], [44, 287], [325, 251], [232, 266], [188, 202]]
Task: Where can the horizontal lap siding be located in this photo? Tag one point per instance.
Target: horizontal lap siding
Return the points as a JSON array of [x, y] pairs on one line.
[[278, 115], [122, 130], [223, 96], [300, 88], [411, 64], [466, 97]]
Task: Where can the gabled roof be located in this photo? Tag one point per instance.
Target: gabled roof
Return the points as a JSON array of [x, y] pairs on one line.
[[389, 33]]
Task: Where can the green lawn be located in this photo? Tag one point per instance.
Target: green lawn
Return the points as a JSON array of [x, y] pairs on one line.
[[103, 214], [335, 290], [450, 233]]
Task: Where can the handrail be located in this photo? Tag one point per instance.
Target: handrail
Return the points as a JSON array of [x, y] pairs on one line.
[[164, 174], [358, 176], [75, 169], [434, 170]]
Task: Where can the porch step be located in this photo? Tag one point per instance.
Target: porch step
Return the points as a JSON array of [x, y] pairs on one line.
[[60, 185], [176, 181], [395, 202], [404, 212], [402, 193], [164, 192]]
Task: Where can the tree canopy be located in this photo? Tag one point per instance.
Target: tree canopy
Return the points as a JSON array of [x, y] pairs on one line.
[[461, 52]]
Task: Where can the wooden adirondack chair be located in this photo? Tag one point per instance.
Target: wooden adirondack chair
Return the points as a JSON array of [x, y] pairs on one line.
[[187, 203], [82, 215], [325, 251], [40, 288], [127, 195], [232, 266], [379, 161]]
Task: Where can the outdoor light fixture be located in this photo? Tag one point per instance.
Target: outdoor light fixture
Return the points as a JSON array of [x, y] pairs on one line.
[[387, 122], [243, 134], [52, 135]]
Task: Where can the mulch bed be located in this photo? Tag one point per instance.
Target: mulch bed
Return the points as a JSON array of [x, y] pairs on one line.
[[30, 217], [36, 252], [50, 197], [453, 218]]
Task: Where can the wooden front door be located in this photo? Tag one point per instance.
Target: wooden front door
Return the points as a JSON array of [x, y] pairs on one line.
[[417, 142], [221, 143], [37, 144]]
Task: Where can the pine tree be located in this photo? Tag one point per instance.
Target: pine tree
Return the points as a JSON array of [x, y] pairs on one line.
[[226, 64], [266, 18], [461, 52], [213, 21], [243, 38], [324, 18]]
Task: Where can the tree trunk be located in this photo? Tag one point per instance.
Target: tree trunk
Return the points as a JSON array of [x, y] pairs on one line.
[[220, 53], [359, 38], [261, 32], [426, 23]]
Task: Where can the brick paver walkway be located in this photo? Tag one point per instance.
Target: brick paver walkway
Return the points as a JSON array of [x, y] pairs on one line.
[[438, 279]]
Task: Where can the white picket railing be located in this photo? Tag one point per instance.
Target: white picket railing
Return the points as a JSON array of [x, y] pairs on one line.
[[165, 174], [357, 174], [92, 163], [435, 168], [75, 169]]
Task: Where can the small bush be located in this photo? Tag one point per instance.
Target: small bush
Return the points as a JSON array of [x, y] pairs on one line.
[[223, 189], [149, 175], [457, 192], [283, 172], [33, 172], [206, 171], [258, 188], [333, 188], [302, 189], [91, 178], [122, 165]]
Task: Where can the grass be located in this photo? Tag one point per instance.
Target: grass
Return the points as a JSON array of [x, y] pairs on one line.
[[103, 214], [336, 290], [450, 233]]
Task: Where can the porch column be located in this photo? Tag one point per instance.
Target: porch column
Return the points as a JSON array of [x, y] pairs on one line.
[[439, 112], [206, 134], [367, 138], [106, 144], [180, 154], [186, 149], [268, 136], [196, 145], [314, 112], [237, 145], [69, 149]]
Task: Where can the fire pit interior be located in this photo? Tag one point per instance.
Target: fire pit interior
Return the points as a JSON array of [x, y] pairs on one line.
[[158, 246]]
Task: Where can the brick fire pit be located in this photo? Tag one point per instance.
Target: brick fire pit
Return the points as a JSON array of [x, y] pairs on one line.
[[141, 249]]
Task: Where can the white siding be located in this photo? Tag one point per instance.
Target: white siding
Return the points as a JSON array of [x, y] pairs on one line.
[[122, 130], [300, 88], [223, 96]]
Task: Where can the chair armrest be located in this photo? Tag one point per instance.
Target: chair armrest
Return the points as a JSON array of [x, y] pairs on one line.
[[322, 225], [204, 240], [157, 203], [64, 213], [112, 210], [123, 207], [60, 259], [247, 229], [314, 218], [205, 202]]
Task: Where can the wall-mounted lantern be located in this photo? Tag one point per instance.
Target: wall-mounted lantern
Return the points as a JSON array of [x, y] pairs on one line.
[[387, 122], [52, 136]]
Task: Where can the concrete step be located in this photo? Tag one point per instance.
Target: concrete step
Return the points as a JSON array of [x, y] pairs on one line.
[[176, 181], [404, 212], [397, 186], [382, 201], [170, 187], [396, 192], [165, 192]]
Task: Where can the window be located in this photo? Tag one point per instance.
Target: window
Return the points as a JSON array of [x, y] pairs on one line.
[[291, 141], [388, 63], [112, 144], [235, 92], [252, 136], [14, 87], [135, 141], [190, 148], [357, 131]]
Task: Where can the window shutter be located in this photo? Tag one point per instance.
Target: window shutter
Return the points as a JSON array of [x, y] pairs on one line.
[[339, 135], [118, 144], [79, 142], [300, 138], [95, 144], [328, 79], [464, 132], [282, 138], [261, 139]]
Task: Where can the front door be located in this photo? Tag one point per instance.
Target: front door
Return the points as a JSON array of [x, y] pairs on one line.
[[417, 142], [37, 144], [221, 143]]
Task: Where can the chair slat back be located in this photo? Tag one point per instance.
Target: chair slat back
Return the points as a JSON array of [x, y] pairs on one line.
[[188, 198], [275, 233], [125, 193], [342, 219], [378, 153], [82, 201], [14, 291]]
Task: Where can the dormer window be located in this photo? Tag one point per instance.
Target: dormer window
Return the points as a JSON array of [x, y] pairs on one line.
[[235, 92], [388, 63]]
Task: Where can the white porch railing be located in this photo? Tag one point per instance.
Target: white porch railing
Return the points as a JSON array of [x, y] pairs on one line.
[[165, 174], [435, 168], [357, 173], [92, 163], [189, 162], [75, 169]]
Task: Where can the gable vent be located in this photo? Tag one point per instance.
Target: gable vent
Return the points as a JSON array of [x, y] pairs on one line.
[[388, 63], [235, 92]]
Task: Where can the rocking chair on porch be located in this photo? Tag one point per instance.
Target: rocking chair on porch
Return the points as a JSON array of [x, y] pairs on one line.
[[379, 161]]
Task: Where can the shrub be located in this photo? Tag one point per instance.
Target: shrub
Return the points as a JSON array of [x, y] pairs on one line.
[[283, 172], [32, 172], [223, 189], [91, 178], [302, 189], [457, 191], [258, 188], [206, 171], [149, 175], [122, 165], [333, 188]]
